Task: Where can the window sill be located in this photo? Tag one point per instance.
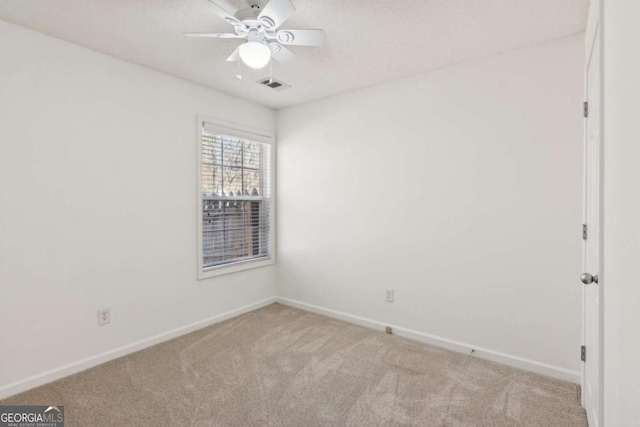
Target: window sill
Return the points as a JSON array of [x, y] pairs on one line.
[[237, 267]]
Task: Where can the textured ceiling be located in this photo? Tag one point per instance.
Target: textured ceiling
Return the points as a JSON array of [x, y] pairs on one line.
[[369, 41]]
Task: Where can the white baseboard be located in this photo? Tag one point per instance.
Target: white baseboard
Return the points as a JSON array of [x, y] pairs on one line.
[[81, 365], [90, 362], [483, 353]]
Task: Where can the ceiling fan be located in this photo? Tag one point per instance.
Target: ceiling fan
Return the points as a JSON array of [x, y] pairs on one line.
[[259, 28]]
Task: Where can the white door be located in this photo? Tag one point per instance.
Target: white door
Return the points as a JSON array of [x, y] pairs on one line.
[[591, 279]]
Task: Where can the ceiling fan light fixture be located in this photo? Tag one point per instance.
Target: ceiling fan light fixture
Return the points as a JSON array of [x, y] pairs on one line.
[[255, 54]]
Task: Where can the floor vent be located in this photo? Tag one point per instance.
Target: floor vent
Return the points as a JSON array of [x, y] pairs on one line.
[[274, 84]]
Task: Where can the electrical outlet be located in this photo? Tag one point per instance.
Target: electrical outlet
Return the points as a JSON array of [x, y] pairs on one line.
[[388, 295], [104, 316]]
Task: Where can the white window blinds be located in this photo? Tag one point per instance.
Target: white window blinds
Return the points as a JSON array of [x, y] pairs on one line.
[[236, 196]]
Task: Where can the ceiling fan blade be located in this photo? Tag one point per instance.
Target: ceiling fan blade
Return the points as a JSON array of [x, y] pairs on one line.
[[235, 56], [275, 13], [219, 36], [302, 37], [282, 54], [226, 15]]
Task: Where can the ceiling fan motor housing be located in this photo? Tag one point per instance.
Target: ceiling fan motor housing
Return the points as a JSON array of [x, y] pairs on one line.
[[248, 16], [256, 28]]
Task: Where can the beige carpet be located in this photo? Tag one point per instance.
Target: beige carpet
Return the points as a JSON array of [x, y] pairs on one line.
[[279, 366]]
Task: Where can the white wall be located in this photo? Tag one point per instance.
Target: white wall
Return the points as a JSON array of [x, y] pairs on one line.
[[621, 214], [460, 188], [98, 205]]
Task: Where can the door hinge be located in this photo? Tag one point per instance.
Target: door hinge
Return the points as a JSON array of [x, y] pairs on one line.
[[585, 108], [584, 231], [583, 353]]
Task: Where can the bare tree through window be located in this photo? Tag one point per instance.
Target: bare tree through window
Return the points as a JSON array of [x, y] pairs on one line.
[[235, 193]]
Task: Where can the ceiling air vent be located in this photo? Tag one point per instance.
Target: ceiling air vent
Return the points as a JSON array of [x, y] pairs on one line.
[[274, 84]]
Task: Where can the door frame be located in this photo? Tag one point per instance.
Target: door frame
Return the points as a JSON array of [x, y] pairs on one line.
[[595, 29]]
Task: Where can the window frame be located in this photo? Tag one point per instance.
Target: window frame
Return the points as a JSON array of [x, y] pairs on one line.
[[256, 135]]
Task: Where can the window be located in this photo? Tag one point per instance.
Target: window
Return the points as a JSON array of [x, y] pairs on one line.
[[236, 209]]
